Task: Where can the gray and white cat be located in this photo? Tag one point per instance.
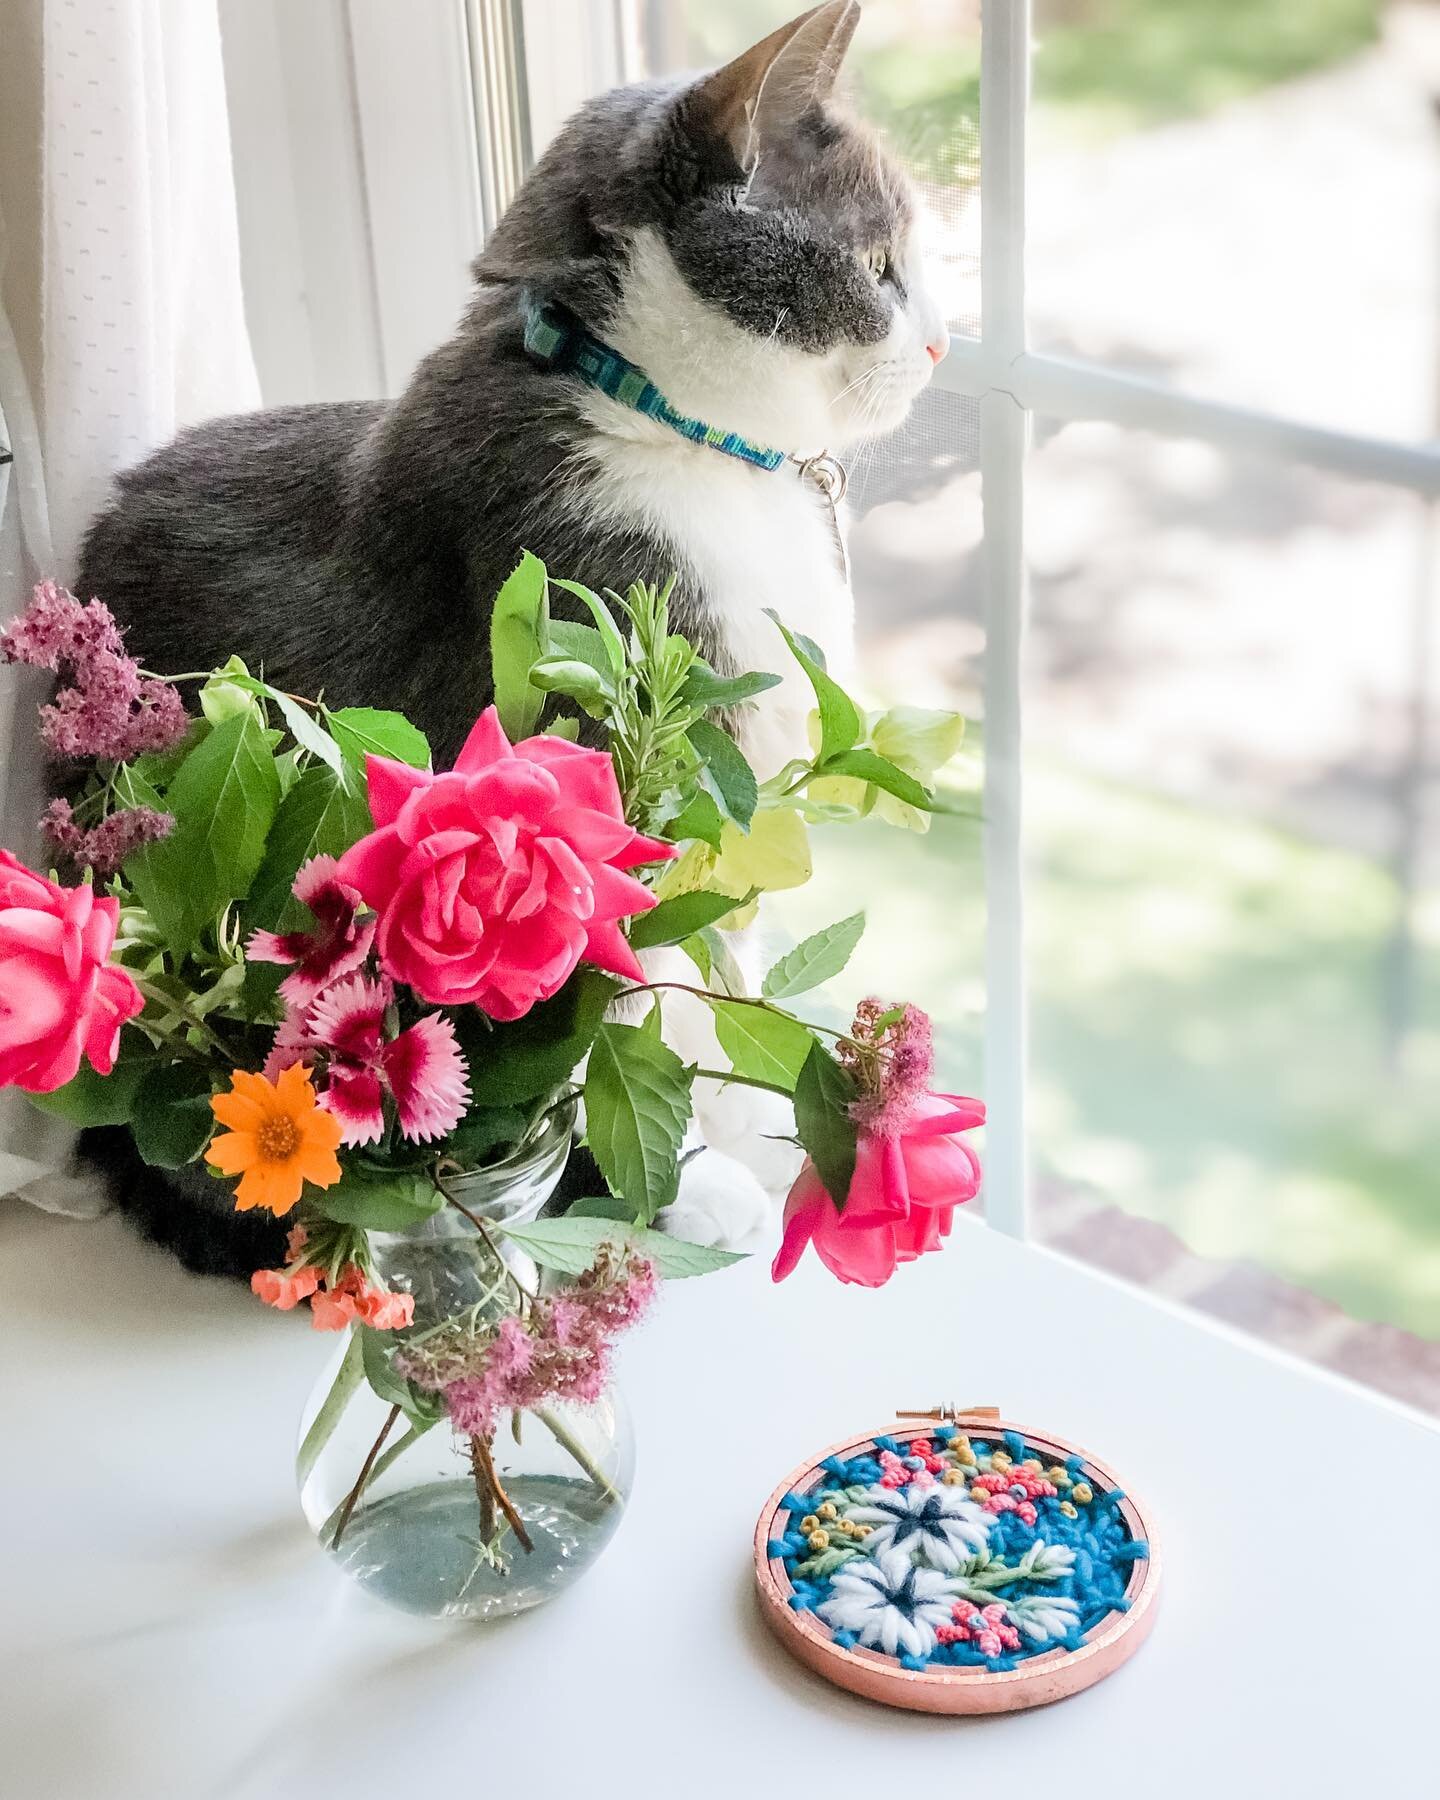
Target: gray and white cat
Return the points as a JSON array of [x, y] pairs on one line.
[[739, 239]]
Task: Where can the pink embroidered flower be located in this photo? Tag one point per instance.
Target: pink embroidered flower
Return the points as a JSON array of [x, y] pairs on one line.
[[60, 997], [494, 880], [902, 1195], [337, 945], [987, 1627], [1012, 1490], [341, 1037]]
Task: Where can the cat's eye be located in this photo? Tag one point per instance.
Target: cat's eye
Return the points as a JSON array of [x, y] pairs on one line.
[[877, 261]]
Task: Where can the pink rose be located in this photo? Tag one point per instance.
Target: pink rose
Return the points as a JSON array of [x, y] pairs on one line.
[[493, 881], [59, 995], [903, 1195]]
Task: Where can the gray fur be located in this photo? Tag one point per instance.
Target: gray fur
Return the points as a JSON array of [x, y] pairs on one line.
[[357, 548]]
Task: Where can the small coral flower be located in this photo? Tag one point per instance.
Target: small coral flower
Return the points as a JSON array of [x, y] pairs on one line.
[[278, 1139]]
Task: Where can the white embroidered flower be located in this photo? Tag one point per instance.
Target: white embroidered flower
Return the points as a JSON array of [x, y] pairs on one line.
[[1044, 1616], [889, 1603], [1046, 1562], [938, 1523]]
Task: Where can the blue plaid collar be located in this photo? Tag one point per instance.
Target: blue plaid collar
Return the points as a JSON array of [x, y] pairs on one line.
[[556, 339]]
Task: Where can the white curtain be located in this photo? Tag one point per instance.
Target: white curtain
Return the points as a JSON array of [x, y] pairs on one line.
[[120, 323]]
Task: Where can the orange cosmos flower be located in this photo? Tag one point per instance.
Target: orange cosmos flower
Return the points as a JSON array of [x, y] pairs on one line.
[[278, 1139]]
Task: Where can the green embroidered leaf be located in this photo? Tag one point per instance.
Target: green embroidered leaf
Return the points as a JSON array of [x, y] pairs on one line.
[[510, 1064], [814, 960], [724, 771], [680, 918], [570, 1246], [706, 690], [318, 817], [224, 798], [823, 1124], [171, 1121], [842, 724], [518, 634], [771, 1046], [637, 1103], [865, 765], [363, 731]]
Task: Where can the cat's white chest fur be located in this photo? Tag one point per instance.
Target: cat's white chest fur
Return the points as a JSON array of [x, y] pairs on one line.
[[755, 539]]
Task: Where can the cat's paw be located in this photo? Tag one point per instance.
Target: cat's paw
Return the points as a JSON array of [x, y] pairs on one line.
[[755, 1127], [720, 1202]]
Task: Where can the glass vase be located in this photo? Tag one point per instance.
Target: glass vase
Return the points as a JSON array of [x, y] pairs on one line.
[[432, 1521]]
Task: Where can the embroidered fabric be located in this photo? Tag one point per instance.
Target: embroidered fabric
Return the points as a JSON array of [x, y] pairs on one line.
[[946, 1549]]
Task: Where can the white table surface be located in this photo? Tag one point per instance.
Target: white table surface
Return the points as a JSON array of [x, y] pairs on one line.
[[168, 1628]]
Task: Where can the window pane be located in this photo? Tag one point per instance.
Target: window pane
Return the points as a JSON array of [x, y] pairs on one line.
[[1233, 817], [1242, 197]]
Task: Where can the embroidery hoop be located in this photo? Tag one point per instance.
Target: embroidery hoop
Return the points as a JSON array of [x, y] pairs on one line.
[[1050, 1675]]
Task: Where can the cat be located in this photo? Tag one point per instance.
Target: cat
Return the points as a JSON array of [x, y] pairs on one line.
[[740, 239]]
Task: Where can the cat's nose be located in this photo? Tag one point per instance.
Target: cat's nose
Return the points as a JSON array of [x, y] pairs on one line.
[[938, 348]]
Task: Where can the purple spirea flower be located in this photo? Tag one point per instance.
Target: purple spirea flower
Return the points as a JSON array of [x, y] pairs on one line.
[[105, 847], [894, 1064], [104, 707], [559, 1351]]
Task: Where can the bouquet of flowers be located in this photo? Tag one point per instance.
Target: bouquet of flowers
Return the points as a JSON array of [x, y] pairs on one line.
[[292, 952]]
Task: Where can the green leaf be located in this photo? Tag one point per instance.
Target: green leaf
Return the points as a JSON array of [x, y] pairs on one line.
[[310, 735], [822, 1120], [172, 1121], [486, 1128], [771, 1046], [701, 819], [91, 1099], [637, 1102], [610, 637], [317, 817], [363, 731], [132, 789], [375, 1348], [601, 1206], [682, 917], [510, 1064], [706, 691], [842, 724], [724, 771], [865, 765], [722, 961], [518, 629], [577, 681], [379, 1202], [698, 951], [816, 959], [224, 798], [580, 643], [569, 729], [570, 1246]]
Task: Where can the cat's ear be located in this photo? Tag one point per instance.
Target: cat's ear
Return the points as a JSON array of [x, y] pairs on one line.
[[769, 89]]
